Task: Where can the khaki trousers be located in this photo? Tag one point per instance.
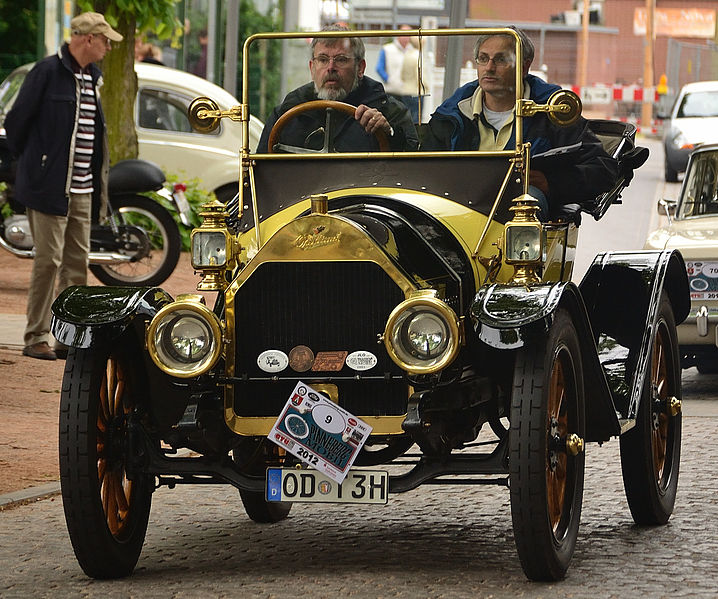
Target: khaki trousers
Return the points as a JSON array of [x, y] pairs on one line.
[[62, 245]]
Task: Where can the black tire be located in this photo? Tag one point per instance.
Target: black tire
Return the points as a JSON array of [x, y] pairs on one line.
[[651, 450], [546, 481], [254, 458], [670, 175], [157, 252], [106, 513]]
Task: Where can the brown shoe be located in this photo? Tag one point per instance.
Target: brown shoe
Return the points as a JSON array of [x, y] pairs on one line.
[[41, 351]]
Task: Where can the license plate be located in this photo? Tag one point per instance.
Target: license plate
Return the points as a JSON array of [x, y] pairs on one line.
[[310, 486]]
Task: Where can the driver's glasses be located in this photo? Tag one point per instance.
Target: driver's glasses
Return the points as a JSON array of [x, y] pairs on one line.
[[500, 61], [340, 61]]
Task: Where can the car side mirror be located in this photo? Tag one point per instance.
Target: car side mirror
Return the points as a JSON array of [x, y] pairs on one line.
[[667, 207]]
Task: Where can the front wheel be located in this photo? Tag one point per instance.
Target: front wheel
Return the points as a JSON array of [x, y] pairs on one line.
[[670, 174], [149, 237], [546, 458], [651, 450], [106, 511]]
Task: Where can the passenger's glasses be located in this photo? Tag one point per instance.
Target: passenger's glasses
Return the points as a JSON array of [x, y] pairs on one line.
[[500, 60]]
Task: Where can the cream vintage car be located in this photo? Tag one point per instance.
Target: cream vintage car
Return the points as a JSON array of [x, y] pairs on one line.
[[693, 228]]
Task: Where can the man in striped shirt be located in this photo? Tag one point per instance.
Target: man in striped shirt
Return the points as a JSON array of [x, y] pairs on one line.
[[57, 129]]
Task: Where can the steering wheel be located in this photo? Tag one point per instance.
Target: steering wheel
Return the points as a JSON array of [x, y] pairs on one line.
[[327, 105]]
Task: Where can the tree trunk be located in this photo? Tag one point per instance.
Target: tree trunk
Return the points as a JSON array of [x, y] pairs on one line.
[[119, 92]]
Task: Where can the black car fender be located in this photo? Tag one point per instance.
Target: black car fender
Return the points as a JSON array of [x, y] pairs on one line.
[[83, 317], [509, 317]]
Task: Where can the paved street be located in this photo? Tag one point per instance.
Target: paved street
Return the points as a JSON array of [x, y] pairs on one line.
[[433, 542]]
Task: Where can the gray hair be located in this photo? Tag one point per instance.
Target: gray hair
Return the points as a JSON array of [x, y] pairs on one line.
[[527, 46], [356, 45]]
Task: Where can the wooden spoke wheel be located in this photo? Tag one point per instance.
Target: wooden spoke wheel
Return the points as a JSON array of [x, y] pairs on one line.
[[650, 452], [106, 511], [545, 478]]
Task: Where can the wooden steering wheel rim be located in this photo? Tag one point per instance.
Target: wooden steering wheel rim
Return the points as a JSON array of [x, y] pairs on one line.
[[295, 111]]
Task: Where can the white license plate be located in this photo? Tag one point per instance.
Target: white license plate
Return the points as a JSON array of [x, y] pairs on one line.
[[299, 486]]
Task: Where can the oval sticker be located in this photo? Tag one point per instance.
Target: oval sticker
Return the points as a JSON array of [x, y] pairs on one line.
[[361, 360], [272, 360]]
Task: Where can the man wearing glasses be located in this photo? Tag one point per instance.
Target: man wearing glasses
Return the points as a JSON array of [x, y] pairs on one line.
[[337, 68], [57, 129], [480, 116]]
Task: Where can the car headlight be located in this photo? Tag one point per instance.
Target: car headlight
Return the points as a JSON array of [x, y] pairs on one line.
[[422, 334], [209, 248], [523, 243], [680, 141], [184, 339]]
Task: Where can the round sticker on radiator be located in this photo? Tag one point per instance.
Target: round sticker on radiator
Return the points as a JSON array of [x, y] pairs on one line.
[[361, 360], [272, 360]]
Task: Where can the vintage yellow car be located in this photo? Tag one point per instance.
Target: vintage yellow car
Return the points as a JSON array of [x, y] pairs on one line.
[[691, 228], [383, 320]]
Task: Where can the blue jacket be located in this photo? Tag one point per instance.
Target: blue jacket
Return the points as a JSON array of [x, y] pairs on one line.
[[40, 130], [582, 174]]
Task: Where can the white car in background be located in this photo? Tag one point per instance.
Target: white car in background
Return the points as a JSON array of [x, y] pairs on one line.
[[692, 228], [693, 121], [164, 134]]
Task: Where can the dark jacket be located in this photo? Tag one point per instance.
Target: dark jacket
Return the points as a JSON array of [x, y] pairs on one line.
[[579, 175], [41, 130], [307, 129]]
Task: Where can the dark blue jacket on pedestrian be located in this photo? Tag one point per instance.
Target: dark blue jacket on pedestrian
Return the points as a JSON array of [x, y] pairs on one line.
[[41, 129], [581, 174]]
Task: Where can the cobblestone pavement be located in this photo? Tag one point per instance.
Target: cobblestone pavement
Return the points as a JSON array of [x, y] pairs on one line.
[[433, 542]]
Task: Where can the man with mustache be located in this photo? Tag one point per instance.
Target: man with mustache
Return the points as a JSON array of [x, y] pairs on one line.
[[480, 116], [337, 67]]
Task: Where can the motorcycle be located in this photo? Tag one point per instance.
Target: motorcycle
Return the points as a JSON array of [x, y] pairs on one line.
[[138, 244]]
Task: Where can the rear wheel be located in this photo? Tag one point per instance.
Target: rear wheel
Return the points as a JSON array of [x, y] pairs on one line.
[[105, 511], [546, 458], [651, 451], [707, 366], [150, 237]]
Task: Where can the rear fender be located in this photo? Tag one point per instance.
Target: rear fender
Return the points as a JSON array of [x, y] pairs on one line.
[[622, 292], [86, 316], [511, 317]]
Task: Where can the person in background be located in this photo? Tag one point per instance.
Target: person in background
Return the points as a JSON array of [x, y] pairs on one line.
[[337, 69], [57, 129], [410, 78], [480, 116]]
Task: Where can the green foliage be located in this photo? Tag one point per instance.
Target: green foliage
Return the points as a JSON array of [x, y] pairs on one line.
[[18, 32], [157, 16], [196, 197]]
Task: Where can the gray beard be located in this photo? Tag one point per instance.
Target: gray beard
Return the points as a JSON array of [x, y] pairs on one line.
[[335, 94]]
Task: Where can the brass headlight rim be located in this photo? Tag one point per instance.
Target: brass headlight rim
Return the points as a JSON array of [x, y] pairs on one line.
[[446, 313], [204, 365]]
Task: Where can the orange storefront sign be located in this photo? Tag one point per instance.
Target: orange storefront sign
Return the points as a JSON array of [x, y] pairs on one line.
[[678, 22]]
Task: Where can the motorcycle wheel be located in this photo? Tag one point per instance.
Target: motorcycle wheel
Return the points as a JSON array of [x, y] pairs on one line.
[[106, 511], [155, 256], [546, 479]]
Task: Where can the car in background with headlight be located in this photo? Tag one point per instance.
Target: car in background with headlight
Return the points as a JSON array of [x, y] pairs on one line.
[[693, 121], [164, 134], [383, 320], [692, 228]]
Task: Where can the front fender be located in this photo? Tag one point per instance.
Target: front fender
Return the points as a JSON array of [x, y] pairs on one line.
[[509, 316], [84, 316]]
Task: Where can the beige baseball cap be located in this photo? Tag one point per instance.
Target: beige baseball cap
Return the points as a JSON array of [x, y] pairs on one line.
[[93, 22]]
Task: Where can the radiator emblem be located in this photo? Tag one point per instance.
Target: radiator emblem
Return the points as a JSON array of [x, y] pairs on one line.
[[361, 360], [329, 361], [272, 360], [317, 238], [301, 358]]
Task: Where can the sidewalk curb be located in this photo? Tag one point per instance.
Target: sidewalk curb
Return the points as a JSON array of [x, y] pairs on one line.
[[29, 494]]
